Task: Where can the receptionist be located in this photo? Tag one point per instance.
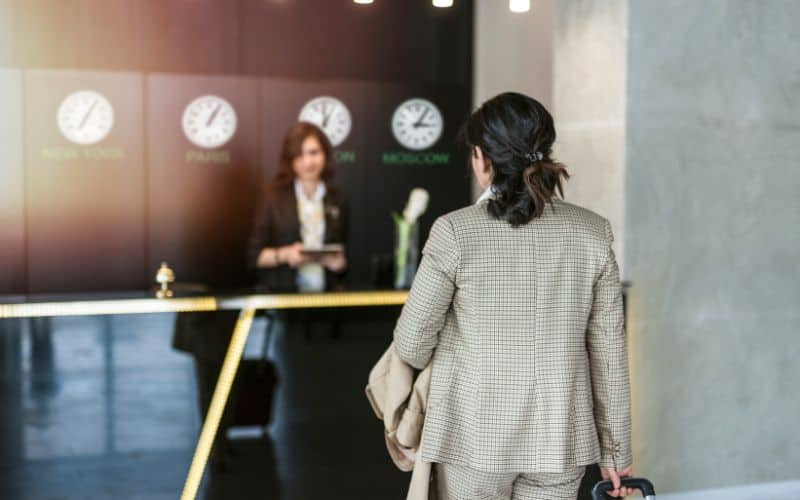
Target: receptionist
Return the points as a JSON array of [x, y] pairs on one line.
[[299, 236]]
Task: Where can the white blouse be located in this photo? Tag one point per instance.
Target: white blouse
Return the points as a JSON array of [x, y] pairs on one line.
[[311, 213]]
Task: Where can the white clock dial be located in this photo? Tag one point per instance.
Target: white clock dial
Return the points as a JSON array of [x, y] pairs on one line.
[[329, 114], [209, 121], [417, 124], [85, 117]]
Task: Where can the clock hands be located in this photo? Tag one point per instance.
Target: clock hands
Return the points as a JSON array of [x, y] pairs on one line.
[[418, 123], [330, 115], [213, 115], [209, 121], [325, 116], [86, 116]]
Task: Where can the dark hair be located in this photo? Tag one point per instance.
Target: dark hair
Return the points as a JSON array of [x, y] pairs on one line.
[[512, 129], [292, 147]]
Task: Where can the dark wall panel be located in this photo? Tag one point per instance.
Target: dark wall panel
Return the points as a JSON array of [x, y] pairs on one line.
[[394, 169], [373, 167], [84, 203], [201, 200], [201, 36], [406, 40], [84, 34], [12, 229], [145, 193]]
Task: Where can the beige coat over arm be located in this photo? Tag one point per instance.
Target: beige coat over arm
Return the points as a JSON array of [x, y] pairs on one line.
[[400, 401]]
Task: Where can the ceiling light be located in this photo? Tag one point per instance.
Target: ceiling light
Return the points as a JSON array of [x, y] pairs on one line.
[[519, 5]]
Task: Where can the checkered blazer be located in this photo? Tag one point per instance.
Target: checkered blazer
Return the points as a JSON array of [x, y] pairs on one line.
[[524, 327]]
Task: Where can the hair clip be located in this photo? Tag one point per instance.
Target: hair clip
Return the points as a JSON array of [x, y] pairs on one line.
[[533, 157]]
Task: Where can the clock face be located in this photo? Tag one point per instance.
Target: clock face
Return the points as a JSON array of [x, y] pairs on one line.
[[417, 124], [85, 117], [329, 114], [209, 121]]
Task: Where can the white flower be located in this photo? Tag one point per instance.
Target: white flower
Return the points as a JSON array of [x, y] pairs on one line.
[[416, 206]]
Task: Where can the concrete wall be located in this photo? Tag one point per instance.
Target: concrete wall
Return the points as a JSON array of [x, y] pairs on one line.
[[712, 200], [513, 52], [680, 122], [570, 55], [590, 47]]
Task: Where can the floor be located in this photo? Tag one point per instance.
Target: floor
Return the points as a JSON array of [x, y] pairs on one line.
[[783, 490], [102, 407]]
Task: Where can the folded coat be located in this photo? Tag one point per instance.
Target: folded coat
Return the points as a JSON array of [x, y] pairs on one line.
[[400, 401]]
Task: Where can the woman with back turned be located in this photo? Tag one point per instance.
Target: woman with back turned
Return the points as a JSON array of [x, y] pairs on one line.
[[517, 303]]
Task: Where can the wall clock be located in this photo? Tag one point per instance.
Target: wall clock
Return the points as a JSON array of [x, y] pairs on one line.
[[85, 117], [329, 114], [209, 121], [417, 124]]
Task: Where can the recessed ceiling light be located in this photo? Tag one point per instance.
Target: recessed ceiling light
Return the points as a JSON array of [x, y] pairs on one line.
[[519, 5]]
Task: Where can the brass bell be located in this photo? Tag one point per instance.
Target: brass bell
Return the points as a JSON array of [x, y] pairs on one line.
[[164, 276]]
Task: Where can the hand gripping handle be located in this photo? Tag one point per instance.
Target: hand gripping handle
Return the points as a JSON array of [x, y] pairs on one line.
[[639, 483]]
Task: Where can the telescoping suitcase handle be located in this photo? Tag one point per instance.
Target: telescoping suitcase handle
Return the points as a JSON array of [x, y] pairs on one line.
[[629, 482]]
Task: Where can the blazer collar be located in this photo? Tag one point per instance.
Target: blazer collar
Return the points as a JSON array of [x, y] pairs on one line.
[[330, 206], [487, 194], [318, 194]]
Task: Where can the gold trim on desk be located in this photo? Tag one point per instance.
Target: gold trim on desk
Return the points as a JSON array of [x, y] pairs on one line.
[[187, 304], [312, 300], [219, 400], [101, 307]]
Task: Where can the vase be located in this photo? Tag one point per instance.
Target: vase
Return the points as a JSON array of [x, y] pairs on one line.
[[406, 252]]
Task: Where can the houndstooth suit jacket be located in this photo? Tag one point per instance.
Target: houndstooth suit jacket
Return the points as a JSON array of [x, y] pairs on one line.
[[524, 327]]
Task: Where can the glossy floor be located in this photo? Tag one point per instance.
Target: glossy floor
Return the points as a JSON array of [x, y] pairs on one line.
[[102, 407]]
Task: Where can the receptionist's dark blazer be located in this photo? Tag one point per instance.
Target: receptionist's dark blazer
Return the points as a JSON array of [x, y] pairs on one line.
[[276, 223]]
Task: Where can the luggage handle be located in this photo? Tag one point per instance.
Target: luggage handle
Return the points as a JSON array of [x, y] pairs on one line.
[[270, 317], [640, 483]]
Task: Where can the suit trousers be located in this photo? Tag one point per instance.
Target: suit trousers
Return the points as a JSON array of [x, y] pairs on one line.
[[459, 482]]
